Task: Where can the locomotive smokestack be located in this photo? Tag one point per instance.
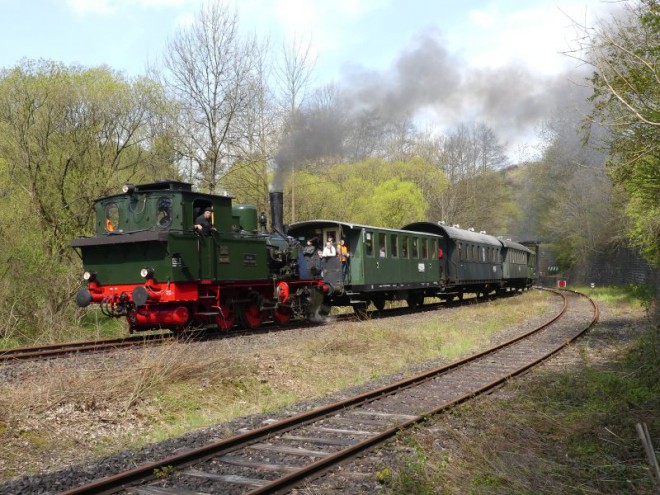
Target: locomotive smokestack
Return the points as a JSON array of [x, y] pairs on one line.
[[277, 211]]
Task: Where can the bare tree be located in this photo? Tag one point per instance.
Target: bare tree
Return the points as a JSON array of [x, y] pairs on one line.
[[470, 156], [259, 126], [294, 75], [209, 71]]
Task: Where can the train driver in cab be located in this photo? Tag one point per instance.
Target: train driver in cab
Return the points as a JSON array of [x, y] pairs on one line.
[[203, 223]]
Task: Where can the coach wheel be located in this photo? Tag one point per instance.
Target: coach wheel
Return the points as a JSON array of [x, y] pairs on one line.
[[415, 300], [251, 315], [226, 316], [282, 315], [379, 302]]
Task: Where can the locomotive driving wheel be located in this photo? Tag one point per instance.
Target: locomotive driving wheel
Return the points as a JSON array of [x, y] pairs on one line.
[[251, 315], [226, 316], [282, 315]]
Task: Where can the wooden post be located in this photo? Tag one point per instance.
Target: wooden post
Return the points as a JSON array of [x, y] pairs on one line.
[[644, 435]]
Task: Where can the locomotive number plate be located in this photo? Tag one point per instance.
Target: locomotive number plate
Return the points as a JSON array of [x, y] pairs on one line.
[[250, 259]]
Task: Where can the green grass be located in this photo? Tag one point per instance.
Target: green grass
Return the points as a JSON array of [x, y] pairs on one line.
[[635, 294], [565, 431]]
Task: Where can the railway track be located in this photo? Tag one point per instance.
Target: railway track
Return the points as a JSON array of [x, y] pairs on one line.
[[276, 457], [58, 350], [55, 350]]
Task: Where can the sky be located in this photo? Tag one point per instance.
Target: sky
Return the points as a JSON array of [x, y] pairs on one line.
[[488, 40]]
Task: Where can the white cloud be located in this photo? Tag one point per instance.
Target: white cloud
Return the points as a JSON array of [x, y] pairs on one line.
[[534, 37]]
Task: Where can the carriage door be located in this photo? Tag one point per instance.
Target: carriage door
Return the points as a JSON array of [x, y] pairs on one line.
[[205, 244], [332, 265]]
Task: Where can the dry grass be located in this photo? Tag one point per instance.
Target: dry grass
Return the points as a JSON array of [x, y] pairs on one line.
[[69, 410]]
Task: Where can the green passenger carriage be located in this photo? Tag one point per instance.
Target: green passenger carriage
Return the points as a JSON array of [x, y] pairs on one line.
[[384, 264]]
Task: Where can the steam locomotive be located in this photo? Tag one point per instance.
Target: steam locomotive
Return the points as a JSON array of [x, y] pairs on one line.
[[148, 263]]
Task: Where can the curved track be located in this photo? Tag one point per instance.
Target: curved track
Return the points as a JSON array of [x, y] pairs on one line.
[[274, 458]]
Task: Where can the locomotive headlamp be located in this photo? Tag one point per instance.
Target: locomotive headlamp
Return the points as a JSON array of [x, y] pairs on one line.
[[147, 273], [128, 188], [89, 276]]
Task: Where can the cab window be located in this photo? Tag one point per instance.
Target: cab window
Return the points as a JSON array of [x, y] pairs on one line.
[[111, 220]]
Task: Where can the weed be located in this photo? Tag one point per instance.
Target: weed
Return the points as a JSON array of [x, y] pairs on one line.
[[163, 472]]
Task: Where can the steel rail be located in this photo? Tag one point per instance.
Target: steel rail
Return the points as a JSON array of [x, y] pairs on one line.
[[63, 349], [323, 465], [47, 351], [146, 471]]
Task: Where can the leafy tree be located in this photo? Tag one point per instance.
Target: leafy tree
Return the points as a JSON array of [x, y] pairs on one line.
[[374, 192], [322, 198], [394, 203], [626, 93], [67, 136]]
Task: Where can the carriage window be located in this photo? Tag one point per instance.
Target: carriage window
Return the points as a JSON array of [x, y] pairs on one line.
[[404, 246], [394, 240], [369, 243], [111, 221], [164, 216], [425, 249], [460, 251], [415, 248], [382, 250], [483, 254]]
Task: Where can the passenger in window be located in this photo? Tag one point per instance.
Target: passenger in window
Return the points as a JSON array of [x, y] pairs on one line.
[[312, 257], [329, 250], [203, 223], [328, 253], [382, 252], [342, 252]]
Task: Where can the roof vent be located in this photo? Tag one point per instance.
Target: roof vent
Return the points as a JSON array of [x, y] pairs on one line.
[[456, 226], [482, 231], [471, 229]]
